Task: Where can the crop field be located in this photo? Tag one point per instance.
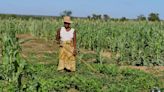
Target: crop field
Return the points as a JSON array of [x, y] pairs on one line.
[[113, 56]]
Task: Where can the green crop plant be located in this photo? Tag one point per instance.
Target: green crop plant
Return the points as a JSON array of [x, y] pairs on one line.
[[138, 43], [14, 69]]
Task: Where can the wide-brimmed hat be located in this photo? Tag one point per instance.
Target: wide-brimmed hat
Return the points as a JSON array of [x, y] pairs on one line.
[[67, 19]]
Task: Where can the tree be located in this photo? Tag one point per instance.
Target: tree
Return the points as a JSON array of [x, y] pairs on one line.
[[95, 16], [105, 17], [153, 17], [123, 19], [141, 18], [66, 13], [89, 17]]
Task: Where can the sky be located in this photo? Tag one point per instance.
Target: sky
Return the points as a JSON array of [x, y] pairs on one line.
[[83, 8]]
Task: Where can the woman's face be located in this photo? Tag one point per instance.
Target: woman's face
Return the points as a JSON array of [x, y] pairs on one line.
[[67, 25]]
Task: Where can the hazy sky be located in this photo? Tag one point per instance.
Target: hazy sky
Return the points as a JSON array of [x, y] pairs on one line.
[[114, 8]]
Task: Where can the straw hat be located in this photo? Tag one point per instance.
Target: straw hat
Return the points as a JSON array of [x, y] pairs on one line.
[[67, 19]]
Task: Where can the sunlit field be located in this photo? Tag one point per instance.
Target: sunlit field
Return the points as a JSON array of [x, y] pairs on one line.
[[113, 56]]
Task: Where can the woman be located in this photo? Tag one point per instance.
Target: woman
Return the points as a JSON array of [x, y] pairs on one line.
[[66, 37]]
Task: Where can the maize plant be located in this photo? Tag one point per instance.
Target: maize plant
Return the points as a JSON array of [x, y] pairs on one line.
[[14, 68], [138, 43]]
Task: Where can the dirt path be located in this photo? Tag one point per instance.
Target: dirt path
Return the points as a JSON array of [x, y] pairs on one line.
[[106, 54], [36, 48]]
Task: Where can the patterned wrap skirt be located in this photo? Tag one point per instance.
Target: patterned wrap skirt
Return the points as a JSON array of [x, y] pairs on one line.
[[66, 58]]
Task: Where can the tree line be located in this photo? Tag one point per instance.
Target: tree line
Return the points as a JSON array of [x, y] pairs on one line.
[[151, 17]]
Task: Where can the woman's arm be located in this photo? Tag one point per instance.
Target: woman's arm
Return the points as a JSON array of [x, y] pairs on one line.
[[58, 36], [74, 43], [74, 40]]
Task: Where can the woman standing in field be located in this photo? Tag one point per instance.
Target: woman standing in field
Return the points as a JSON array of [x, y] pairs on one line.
[[66, 37]]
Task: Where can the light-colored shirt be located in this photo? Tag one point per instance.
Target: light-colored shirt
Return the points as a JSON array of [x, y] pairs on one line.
[[66, 35]]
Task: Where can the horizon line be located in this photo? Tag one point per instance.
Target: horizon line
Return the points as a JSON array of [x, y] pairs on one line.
[[44, 15]]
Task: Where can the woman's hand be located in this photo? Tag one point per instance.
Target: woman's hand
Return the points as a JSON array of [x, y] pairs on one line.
[[74, 52], [57, 42]]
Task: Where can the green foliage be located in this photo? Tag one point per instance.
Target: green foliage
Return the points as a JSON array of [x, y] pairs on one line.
[[110, 78], [66, 13], [95, 16], [123, 19], [153, 17], [138, 43], [141, 18], [14, 70], [106, 17], [24, 17]]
